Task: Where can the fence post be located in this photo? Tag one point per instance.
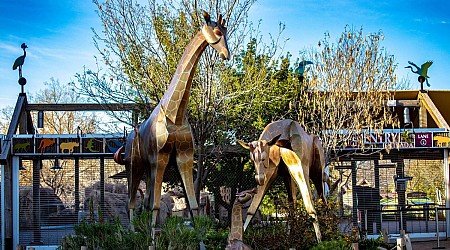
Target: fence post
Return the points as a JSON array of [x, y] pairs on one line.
[[401, 219], [437, 229]]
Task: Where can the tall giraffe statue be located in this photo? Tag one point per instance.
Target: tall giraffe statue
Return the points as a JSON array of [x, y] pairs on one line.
[[167, 131]]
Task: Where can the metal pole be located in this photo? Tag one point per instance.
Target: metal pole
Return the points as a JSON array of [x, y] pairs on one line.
[[401, 219], [77, 187], [15, 199], [2, 229], [437, 229], [447, 191], [365, 220]]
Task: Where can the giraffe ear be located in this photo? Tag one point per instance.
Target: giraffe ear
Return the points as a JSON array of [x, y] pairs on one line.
[[206, 16], [274, 140], [244, 144]]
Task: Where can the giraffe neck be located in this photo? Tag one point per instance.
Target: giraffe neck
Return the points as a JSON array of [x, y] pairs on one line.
[[236, 231], [175, 99]]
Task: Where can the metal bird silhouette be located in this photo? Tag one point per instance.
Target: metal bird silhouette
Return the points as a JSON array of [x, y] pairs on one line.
[[302, 66], [20, 60], [301, 69], [422, 71]]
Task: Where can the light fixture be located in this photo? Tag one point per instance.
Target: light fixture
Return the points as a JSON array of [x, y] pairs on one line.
[[56, 165], [40, 120], [406, 117]]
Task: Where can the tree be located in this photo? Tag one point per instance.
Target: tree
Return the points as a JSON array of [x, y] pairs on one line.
[[5, 118], [347, 88], [140, 47], [60, 122]]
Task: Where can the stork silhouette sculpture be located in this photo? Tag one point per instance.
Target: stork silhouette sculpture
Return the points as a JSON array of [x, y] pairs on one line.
[[422, 72], [20, 60], [167, 134]]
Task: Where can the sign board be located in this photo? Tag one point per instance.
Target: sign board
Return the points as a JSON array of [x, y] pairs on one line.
[[400, 139], [66, 144], [423, 140]]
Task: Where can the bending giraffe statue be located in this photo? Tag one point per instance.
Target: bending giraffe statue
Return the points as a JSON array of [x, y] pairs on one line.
[[285, 149], [167, 132], [236, 235]]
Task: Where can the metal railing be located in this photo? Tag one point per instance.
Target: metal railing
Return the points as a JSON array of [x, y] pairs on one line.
[[418, 219]]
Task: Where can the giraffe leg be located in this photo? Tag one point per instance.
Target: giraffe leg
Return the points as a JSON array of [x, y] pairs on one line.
[[185, 162], [155, 183], [317, 168], [134, 175], [295, 168], [261, 191]]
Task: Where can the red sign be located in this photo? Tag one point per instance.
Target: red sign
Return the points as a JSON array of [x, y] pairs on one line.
[[423, 140]]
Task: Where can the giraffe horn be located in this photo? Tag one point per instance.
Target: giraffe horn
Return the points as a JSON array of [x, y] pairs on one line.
[[219, 21], [223, 22], [206, 16]]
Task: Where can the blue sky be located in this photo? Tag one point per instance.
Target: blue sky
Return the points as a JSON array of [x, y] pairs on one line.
[[59, 36]]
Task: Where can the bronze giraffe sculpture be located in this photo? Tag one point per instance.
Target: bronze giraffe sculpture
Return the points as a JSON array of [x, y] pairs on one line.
[[167, 130], [236, 235], [285, 149]]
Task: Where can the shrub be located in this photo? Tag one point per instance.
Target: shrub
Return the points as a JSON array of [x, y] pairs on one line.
[[332, 245]]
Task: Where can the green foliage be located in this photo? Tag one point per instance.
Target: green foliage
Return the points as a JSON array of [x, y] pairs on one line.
[[297, 230], [175, 234], [332, 245], [100, 236], [143, 228], [372, 244], [216, 239], [111, 235], [230, 173]]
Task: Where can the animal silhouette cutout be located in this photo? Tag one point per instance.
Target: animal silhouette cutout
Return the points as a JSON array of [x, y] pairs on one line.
[[23, 147], [90, 146], [285, 149], [69, 146], [46, 142], [167, 131]]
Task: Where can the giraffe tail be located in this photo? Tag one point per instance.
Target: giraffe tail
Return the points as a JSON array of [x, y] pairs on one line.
[[118, 156]]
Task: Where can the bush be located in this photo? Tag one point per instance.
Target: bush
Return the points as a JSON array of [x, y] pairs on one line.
[[111, 235], [332, 245], [297, 230]]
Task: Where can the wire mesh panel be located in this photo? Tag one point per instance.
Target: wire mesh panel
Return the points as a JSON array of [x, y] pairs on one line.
[[371, 193], [56, 194]]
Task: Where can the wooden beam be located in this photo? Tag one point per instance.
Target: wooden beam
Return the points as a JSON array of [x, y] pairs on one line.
[[433, 110], [403, 103], [15, 120], [82, 107]]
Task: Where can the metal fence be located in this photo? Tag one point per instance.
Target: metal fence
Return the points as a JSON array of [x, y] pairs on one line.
[[53, 200]]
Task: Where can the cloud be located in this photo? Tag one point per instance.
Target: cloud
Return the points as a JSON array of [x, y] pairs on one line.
[[10, 48], [444, 22]]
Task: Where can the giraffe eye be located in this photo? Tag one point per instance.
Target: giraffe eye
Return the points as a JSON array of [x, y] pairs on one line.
[[217, 32]]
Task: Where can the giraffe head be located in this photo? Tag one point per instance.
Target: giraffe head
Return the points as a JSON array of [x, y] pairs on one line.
[[215, 34], [259, 154]]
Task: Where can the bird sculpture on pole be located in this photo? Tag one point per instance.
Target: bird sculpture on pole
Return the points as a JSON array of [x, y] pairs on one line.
[[302, 68], [20, 60], [422, 71]]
